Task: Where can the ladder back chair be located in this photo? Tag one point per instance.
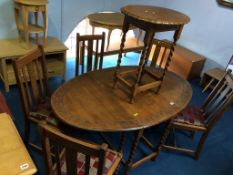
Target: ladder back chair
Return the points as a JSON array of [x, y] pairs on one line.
[[160, 58], [91, 47], [204, 118], [31, 75], [76, 157]]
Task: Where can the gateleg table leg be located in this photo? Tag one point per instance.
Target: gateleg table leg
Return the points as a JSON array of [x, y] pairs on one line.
[[129, 162]]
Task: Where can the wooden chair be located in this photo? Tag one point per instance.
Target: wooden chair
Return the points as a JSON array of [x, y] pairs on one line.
[[74, 156], [95, 46], [31, 75], [203, 119]]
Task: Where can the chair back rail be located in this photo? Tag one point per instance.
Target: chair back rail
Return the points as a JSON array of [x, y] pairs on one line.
[[161, 54], [94, 44], [71, 147], [31, 75]]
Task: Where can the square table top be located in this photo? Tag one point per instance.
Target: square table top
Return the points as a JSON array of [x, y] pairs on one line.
[[14, 156]]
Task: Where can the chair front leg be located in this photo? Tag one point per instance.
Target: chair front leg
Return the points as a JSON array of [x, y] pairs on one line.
[[200, 145]]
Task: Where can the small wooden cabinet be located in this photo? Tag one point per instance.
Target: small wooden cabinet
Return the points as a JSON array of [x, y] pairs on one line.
[[185, 62], [55, 54]]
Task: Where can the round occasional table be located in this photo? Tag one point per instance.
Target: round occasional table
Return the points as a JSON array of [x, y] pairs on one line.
[[151, 19], [25, 7], [108, 20], [90, 103]]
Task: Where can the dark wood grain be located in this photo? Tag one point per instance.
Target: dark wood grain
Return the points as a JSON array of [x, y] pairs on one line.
[[88, 102]]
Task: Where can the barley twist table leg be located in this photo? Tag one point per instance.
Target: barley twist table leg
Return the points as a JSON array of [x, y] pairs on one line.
[[137, 137]]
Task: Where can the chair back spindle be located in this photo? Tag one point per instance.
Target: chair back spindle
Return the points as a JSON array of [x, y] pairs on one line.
[[90, 47], [72, 148]]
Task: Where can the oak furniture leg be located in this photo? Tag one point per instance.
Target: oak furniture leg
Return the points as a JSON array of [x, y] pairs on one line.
[[137, 137], [36, 20], [45, 21], [25, 25], [17, 23]]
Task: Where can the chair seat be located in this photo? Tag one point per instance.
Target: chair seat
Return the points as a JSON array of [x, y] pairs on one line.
[[191, 115], [43, 111], [111, 159]]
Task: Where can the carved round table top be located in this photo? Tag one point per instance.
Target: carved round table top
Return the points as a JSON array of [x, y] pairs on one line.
[[155, 15], [32, 2], [107, 19], [89, 102]]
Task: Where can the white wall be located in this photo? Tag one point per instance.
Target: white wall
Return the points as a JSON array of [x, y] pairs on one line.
[[209, 33], [7, 20]]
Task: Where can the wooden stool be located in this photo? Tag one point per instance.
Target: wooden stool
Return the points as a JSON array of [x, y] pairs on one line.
[[26, 6]]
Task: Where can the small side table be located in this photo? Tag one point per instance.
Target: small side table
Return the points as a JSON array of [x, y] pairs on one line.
[[26, 6], [151, 19], [211, 77]]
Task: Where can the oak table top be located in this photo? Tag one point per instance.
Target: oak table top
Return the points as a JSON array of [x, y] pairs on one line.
[[89, 102], [155, 15], [14, 156]]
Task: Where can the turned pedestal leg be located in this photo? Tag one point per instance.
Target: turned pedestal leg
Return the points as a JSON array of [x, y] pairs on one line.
[[124, 30], [147, 43]]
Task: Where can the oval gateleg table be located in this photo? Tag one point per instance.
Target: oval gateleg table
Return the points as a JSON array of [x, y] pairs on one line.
[[90, 103]]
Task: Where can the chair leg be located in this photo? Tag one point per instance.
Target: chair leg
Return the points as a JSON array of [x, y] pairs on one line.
[[200, 145], [26, 132], [174, 136]]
